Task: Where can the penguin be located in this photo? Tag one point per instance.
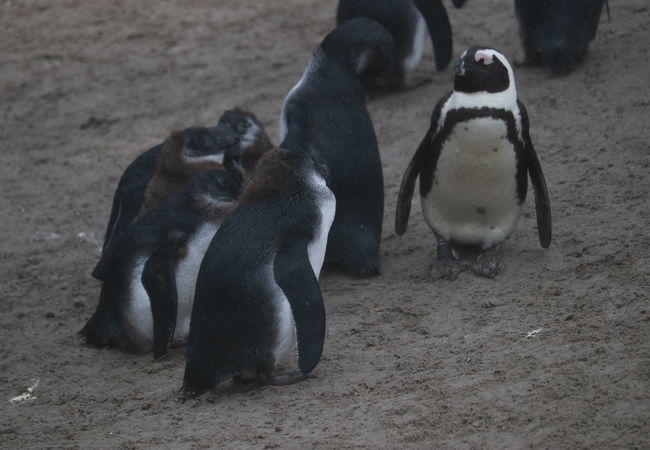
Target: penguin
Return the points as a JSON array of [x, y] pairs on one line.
[[146, 298], [407, 21], [473, 164], [258, 310], [165, 168], [326, 113], [557, 33]]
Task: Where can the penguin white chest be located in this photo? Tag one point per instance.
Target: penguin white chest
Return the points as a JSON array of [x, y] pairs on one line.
[[473, 199], [326, 203], [187, 272], [139, 310]]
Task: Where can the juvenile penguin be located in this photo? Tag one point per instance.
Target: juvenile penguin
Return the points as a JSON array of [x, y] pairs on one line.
[[165, 168], [473, 164], [258, 310], [407, 21], [326, 113], [557, 33], [146, 299]]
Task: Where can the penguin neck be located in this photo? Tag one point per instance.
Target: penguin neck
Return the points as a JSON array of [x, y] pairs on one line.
[[341, 76], [500, 100]]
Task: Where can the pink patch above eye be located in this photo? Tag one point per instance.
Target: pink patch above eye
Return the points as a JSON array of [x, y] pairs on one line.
[[485, 57]]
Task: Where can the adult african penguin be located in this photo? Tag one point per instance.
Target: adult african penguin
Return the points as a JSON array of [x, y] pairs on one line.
[[473, 164], [164, 169], [146, 298], [258, 310], [326, 113], [408, 22], [557, 33]]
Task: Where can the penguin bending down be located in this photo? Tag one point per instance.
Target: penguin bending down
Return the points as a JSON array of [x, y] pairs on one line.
[[258, 310], [473, 164], [557, 33], [326, 113], [164, 169], [147, 295], [407, 21]]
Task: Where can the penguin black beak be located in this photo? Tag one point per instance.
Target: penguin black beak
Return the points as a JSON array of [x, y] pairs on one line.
[[224, 135]]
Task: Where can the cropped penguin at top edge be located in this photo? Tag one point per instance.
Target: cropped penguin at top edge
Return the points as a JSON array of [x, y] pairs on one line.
[[146, 298], [258, 310], [165, 168], [473, 164], [557, 33], [325, 112], [407, 21]]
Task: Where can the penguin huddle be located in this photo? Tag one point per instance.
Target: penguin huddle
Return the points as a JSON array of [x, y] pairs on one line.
[[216, 237]]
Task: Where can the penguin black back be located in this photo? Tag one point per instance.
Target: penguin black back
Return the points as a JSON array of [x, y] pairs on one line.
[[326, 114], [557, 33], [407, 22], [259, 280]]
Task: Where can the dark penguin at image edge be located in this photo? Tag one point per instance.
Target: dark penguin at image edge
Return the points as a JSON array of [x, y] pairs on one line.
[[556, 33], [325, 113], [146, 298], [407, 21], [160, 172], [473, 164], [258, 311]]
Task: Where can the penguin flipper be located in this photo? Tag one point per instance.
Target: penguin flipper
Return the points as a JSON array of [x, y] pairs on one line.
[[159, 280], [407, 186], [294, 274], [542, 202], [437, 20]]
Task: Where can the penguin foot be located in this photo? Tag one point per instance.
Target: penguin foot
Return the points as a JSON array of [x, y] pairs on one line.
[[447, 269], [487, 264], [283, 379]]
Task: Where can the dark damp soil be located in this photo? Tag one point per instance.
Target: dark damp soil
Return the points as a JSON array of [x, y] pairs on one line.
[[553, 353]]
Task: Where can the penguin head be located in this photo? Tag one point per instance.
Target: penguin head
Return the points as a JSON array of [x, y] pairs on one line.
[[360, 46], [559, 30], [483, 69], [253, 141], [200, 145]]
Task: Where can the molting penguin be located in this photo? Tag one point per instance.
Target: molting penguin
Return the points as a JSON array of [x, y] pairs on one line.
[[407, 21], [473, 164], [147, 295], [326, 113], [258, 310], [556, 33], [165, 168]]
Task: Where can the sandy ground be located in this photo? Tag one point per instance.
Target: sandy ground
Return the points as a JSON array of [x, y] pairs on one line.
[[408, 362]]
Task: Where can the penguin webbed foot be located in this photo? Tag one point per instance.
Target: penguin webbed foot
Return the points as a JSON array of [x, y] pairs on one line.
[[447, 265], [488, 263]]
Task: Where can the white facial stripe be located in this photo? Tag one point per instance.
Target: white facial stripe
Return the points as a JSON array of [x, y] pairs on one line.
[[251, 134], [215, 158], [462, 55], [483, 56]]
